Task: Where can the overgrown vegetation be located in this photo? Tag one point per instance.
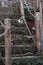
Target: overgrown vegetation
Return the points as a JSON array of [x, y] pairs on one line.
[[19, 33]]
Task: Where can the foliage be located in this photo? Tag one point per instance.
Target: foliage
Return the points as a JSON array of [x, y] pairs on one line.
[[32, 61]]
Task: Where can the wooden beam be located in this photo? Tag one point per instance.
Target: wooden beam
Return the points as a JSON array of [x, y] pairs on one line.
[[18, 46], [24, 57], [7, 42]]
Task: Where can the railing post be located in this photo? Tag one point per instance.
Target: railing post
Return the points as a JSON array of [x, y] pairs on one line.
[[38, 31], [41, 25], [7, 42], [21, 7], [37, 24]]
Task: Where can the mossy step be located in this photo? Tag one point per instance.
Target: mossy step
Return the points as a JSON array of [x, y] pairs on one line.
[[19, 49], [16, 30], [16, 23], [19, 39], [19, 30]]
